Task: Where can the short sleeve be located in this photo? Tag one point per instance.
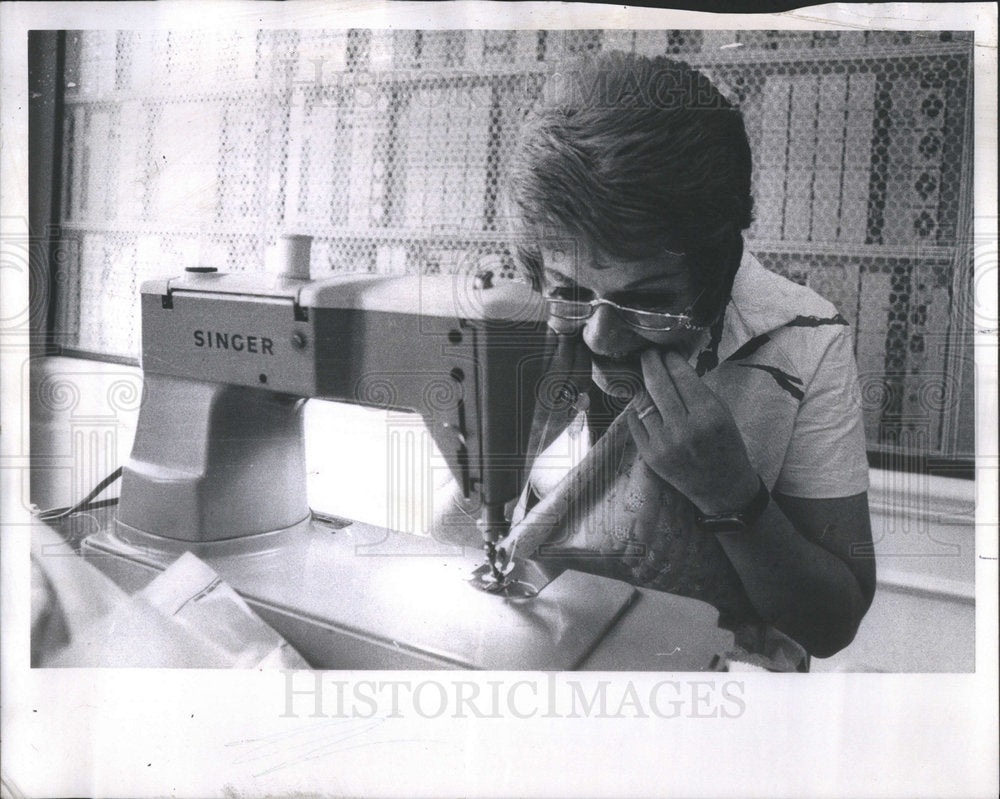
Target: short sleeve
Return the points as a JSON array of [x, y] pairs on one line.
[[826, 457]]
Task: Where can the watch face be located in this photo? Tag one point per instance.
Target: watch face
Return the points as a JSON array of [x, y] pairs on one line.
[[724, 524]]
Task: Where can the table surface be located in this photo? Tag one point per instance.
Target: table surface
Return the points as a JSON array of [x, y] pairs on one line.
[[411, 594]]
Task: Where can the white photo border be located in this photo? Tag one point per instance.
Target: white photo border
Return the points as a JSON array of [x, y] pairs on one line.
[[201, 733]]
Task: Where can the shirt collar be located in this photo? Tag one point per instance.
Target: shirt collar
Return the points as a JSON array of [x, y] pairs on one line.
[[760, 302]]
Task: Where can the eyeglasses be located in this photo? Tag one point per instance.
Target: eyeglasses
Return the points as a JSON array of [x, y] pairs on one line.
[[581, 311]]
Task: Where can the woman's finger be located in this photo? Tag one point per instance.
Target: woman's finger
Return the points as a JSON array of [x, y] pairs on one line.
[[684, 379], [644, 409], [649, 411], [660, 386], [639, 433]]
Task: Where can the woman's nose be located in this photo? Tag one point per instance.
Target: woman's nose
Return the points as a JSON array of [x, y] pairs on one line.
[[605, 334]]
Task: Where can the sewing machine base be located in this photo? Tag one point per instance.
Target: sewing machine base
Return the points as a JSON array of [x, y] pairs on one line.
[[362, 597]]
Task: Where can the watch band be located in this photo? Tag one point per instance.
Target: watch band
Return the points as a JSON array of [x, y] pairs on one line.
[[740, 520]]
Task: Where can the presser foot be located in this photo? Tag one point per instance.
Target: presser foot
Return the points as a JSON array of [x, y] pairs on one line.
[[484, 579], [519, 579]]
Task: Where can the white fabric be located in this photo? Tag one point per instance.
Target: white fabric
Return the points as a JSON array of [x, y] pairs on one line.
[[187, 617]]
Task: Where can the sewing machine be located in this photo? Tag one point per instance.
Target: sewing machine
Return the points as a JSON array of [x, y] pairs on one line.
[[218, 468]]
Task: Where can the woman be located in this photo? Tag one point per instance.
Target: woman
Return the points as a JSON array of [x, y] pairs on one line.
[[736, 472]]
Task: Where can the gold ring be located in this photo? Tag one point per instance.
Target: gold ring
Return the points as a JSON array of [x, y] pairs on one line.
[[646, 411]]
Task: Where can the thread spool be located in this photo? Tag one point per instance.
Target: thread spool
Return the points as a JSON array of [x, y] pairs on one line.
[[289, 256]]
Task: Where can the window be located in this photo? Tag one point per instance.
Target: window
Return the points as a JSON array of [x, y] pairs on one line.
[[386, 146]]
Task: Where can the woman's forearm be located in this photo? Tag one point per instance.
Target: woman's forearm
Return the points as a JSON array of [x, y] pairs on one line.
[[796, 585]]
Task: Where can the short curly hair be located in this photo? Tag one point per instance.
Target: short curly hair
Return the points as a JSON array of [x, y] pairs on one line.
[[638, 155]]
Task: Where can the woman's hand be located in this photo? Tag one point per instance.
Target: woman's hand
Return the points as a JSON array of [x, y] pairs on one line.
[[688, 437]]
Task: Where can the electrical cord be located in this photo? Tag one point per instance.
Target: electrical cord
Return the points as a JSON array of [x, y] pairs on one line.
[[87, 503], [56, 514]]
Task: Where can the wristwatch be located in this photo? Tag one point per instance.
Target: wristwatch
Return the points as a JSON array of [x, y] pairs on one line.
[[738, 521]]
